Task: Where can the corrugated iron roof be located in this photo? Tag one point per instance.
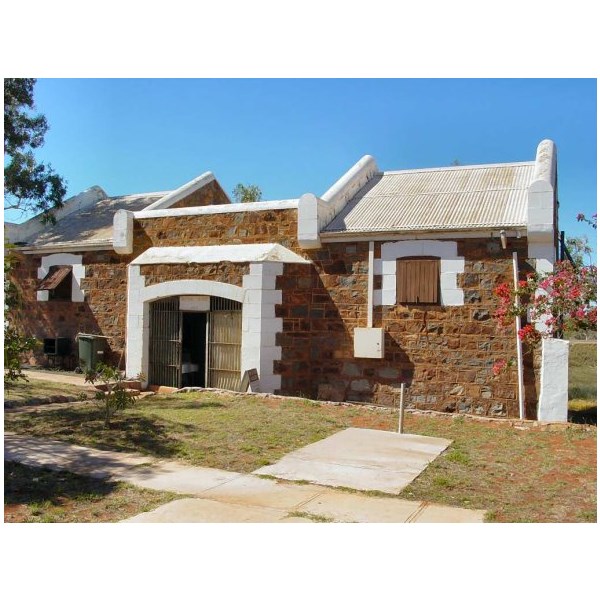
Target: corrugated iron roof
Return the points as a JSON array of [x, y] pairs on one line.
[[469, 197], [92, 224]]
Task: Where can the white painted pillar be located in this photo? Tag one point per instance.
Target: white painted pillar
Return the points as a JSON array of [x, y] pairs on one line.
[[260, 325], [554, 385]]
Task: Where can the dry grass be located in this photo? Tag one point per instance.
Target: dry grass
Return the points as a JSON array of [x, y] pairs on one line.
[[516, 475], [35, 392], [36, 495]]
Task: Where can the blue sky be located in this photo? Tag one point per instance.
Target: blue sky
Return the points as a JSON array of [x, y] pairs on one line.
[[291, 136]]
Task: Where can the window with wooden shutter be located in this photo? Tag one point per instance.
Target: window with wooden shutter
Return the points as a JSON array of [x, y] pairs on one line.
[[418, 281], [58, 282]]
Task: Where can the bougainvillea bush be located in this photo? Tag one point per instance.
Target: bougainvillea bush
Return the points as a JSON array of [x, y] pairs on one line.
[[561, 301]]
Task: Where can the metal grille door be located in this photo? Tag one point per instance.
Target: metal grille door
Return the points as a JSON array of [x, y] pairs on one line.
[[224, 348], [165, 343]]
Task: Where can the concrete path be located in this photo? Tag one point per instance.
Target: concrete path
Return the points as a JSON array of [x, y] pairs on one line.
[[57, 377], [224, 496], [361, 459]]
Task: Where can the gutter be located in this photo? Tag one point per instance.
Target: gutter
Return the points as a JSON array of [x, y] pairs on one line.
[[386, 236], [58, 248]]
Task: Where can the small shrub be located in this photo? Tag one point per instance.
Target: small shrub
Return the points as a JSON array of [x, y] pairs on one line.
[[114, 396]]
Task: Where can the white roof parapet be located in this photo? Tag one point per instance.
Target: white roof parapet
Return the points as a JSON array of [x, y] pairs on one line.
[[315, 213], [183, 191], [542, 214], [235, 253], [212, 209], [19, 232]]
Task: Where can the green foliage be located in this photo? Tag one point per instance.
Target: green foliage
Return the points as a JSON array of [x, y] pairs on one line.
[[579, 248], [15, 344], [29, 186], [250, 193], [113, 396]]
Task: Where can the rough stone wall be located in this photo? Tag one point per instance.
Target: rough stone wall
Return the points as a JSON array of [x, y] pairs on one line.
[[103, 312], [211, 193], [227, 272], [252, 227], [444, 354]]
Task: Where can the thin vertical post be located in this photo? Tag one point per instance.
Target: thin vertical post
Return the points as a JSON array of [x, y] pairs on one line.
[[519, 344], [401, 410]]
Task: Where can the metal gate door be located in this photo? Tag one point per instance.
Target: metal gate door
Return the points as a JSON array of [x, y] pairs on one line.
[[224, 350], [165, 343]]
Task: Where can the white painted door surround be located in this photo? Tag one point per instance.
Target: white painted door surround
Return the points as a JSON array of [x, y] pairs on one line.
[[259, 324]]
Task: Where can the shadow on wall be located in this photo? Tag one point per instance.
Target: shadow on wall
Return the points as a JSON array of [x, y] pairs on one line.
[[64, 319], [318, 341]]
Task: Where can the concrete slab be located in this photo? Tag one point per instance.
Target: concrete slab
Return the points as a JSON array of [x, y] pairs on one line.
[[362, 459], [436, 513], [174, 477], [42, 452], [254, 491], [199, 510], [354, 508]]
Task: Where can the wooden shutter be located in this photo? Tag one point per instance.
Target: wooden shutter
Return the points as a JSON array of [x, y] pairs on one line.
[[418, 281], [54, 278]]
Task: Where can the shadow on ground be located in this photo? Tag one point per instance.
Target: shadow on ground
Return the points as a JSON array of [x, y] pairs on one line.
[[33, 485], [587, 417], [85, 426]]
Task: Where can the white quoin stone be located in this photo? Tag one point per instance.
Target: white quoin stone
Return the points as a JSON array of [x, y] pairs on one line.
[[554, 384], [123, 232]]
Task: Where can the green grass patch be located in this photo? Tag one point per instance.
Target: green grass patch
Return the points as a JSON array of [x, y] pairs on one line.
[[37, 495], [310, 516]]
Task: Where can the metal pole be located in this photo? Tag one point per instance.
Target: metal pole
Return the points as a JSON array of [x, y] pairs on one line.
[[519, 344], [401, 411]]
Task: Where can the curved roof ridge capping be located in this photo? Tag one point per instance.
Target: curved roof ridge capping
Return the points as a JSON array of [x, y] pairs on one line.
[[185, 190], [542, 207], [315, 213]]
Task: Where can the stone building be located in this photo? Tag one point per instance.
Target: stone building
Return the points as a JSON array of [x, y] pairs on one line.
[[388, 277]]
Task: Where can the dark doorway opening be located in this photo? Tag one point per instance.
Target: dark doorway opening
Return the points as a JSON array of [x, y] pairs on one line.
[[193, 349]]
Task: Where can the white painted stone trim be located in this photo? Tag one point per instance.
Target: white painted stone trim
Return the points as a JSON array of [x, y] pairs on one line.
[[259, 324], [554, 381], [123, 232], [213, 209], [236, 253], [541, 195], [315, 213], [180, 193], [58, 260], [451, 265]]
